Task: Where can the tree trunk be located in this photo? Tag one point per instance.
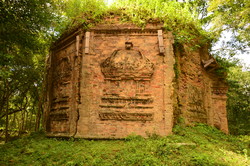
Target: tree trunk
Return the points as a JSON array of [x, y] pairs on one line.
[[30, 120], [40, 109], [38, 120], [26, 119], [7, 123], [7, 116]]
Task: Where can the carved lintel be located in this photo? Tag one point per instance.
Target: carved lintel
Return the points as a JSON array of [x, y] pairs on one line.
[[123, 116], [136, 106], [140, 106], [160, 40], [112, 106], [125, 77], [129, 99], [87, 37]]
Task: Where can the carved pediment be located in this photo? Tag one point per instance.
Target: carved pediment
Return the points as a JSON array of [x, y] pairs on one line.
[[127, 64]]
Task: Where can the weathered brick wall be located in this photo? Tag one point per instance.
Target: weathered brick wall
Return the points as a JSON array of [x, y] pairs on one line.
[[63, 68], [142, 105], [200, 91], [97, 88]]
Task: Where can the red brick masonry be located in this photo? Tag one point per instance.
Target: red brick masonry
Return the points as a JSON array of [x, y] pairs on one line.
[[117, 79]]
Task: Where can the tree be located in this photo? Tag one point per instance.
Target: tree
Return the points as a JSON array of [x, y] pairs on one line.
[[238, 104], [28, 27], [25, 35], [238, 101], [232, 16]]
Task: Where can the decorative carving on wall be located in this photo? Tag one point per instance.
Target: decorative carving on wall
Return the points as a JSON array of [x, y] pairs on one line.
[[127, 64], [59, 117], [127, 102], [60, 104], [196, 107], [63, 69], [127, 80], [123, 116], [61, 81], [219, 90]]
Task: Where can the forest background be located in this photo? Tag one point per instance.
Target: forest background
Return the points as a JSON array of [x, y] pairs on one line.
[[29, 27]]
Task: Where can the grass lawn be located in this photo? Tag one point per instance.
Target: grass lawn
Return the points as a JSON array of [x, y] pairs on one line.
[[199, 145]]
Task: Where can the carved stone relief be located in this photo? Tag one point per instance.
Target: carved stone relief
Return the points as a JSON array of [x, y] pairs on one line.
[[126, 116], [127, 82], [61, 89], [219, 90], [196, 104], [127, 64]]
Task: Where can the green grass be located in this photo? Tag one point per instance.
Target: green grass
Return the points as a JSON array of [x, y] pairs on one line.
[[204, 146]]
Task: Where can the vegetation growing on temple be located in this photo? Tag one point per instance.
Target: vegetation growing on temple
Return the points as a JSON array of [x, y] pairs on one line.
[[180, 18], [28, 27]]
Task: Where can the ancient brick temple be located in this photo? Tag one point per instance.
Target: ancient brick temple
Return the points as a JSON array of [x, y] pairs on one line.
[[116, 79]]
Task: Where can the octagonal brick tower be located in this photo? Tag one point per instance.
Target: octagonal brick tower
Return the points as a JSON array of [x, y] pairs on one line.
[[116, 79]]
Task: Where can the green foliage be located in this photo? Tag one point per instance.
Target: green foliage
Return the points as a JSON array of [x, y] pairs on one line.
[[28, 27], [231, 15], [176, 69], [238, 104], [230, 19], [25, 31], [23, 24], [198, 145], [133, 137], [80, 12], [180, 18]]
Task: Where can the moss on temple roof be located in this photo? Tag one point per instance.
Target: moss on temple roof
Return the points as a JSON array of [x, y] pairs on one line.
[[176, 17]]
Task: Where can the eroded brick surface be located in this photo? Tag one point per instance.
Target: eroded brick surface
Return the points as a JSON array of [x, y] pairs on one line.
[[98, 88], [201, 92]]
